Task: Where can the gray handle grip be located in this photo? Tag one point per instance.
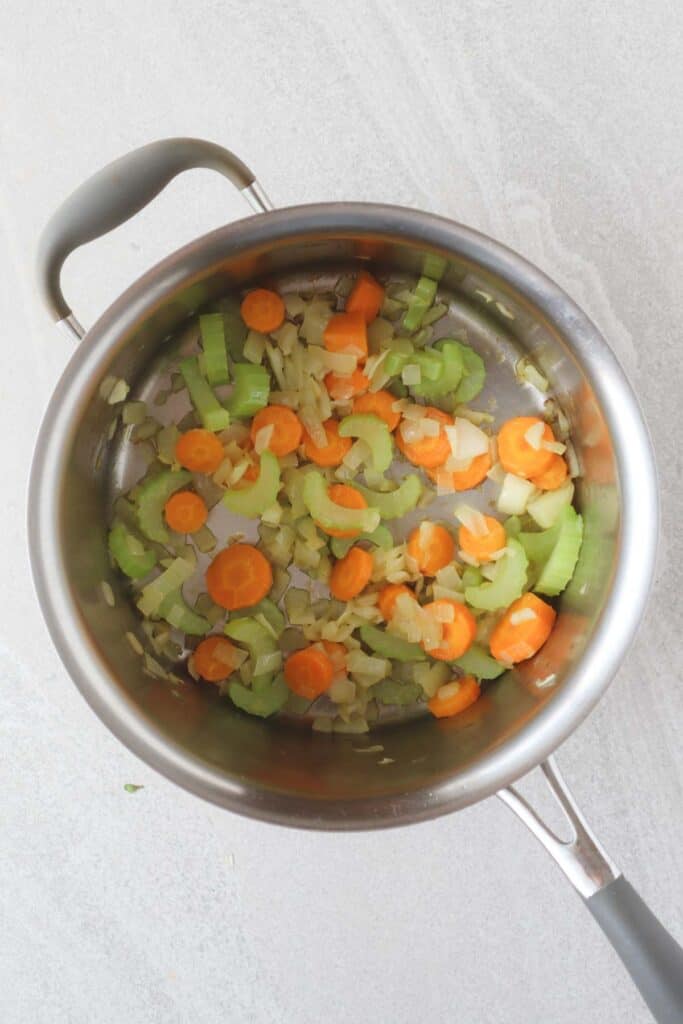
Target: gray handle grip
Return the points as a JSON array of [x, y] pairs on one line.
[[117, 192], [650, 954]]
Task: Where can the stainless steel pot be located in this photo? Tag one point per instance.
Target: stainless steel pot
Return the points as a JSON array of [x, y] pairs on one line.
[[275, 770]]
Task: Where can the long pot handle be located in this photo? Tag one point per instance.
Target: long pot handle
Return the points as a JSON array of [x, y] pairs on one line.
[[119, 191], [650, 954]]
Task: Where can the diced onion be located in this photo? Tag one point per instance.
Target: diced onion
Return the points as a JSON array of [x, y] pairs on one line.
[[254, 347], [554, 446], [523, 615], [313, 424], [342, 363], [411, 374], [496, 473], [534, 435], [472, 519], [262, 439], [444, 613], [448, 690], [514, 495], [430, 427], [467, 441]]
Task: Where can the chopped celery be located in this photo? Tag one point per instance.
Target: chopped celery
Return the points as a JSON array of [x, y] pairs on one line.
[[420, 300], [177, 612], [212, 331], [388, 645], [508, 584], [275, 620], [151, 499], [381, 537], [478, 663], [513, 527], [554, 552], [547, 509], [433, 266], [234, 327], [153, 595], [166, 440], [450, 371], [257, 497], [262, 702], [130, 554], [258, 640], [375, 433], [395, 361], [390, 691], [332, 516], [212, 414], [393, 504], [250, 392], [430, 676], [473, 374]]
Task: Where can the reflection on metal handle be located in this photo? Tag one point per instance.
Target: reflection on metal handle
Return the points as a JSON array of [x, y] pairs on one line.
[[117, 193], [582, 858]]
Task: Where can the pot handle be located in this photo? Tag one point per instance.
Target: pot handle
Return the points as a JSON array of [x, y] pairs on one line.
[[650, 954], [117, 192]]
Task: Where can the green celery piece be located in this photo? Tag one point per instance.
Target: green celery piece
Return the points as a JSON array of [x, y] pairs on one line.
[[332, 516], [257, 497], [263, 702], [250, 392], [394, 504], [177, 612], [449, 379], [433, 266], [508, 584], [390, 691], [430, 362], [471, 576], [473, 374], [212, 330], [395, 361], [234, 327], [153, 496], [130, 554], [212, 414], [257, 639], [375, 433], [387, 645], [477, 662], [381, 538], [513, 526], [154, 594], [268, 609], [422, 298], [554, 552]]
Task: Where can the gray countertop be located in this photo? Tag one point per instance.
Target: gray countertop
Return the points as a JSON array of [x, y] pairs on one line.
[[555, 128]]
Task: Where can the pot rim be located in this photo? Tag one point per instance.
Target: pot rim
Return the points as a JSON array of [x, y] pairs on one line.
[[605, 649]]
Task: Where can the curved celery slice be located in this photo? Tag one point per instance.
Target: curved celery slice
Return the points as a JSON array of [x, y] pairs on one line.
[[332, 516], [387, 645], [421, 299], [151, 500], [375, 433], [130, 554], [258, 639], [177, 612], [381, 537], [477, 662], [471, 576], [390, 691], [393, 504], [554, 552], [451, 371], [255, 499], [212, 414], [262, 702], [250, 391], [547, 509], [266, 613], [473, 374], [508, 584], [155, 593], [212, 330]]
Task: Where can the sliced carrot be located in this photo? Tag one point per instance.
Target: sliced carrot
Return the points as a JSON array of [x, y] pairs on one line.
[[263, 310], [347, 497], [337, 653], [341, 388], [366, 297], [429, 452], [462, 479], [379, 403], [309, 673], [347, 332], [287, 429], [238, 577], [199, 451], [388, 597], [214, 658], [185, 512], [516, 454], [452, 698], [513, 640], [554, 476], [334, 451], [351, 574], [482, 546], [457, 633], [432, 547]]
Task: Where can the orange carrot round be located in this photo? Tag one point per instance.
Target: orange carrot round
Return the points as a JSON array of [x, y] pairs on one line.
[[347, 497], [287, 429], [213, 658], [342, 387], [516, 454], [482, 546], [452, 698], [519, 636], [429, 452], [351, 574], [347, 332], [379, 403], [432, 547], [263, 310], [334, 451], [366, 297], [389, 595], [309, 673], [238, 577], [457, 633], [185, 512], [199, 450], [554, 476], [462, 479]]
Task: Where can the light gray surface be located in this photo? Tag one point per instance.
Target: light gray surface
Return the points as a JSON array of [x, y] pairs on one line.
[[553, 129]]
